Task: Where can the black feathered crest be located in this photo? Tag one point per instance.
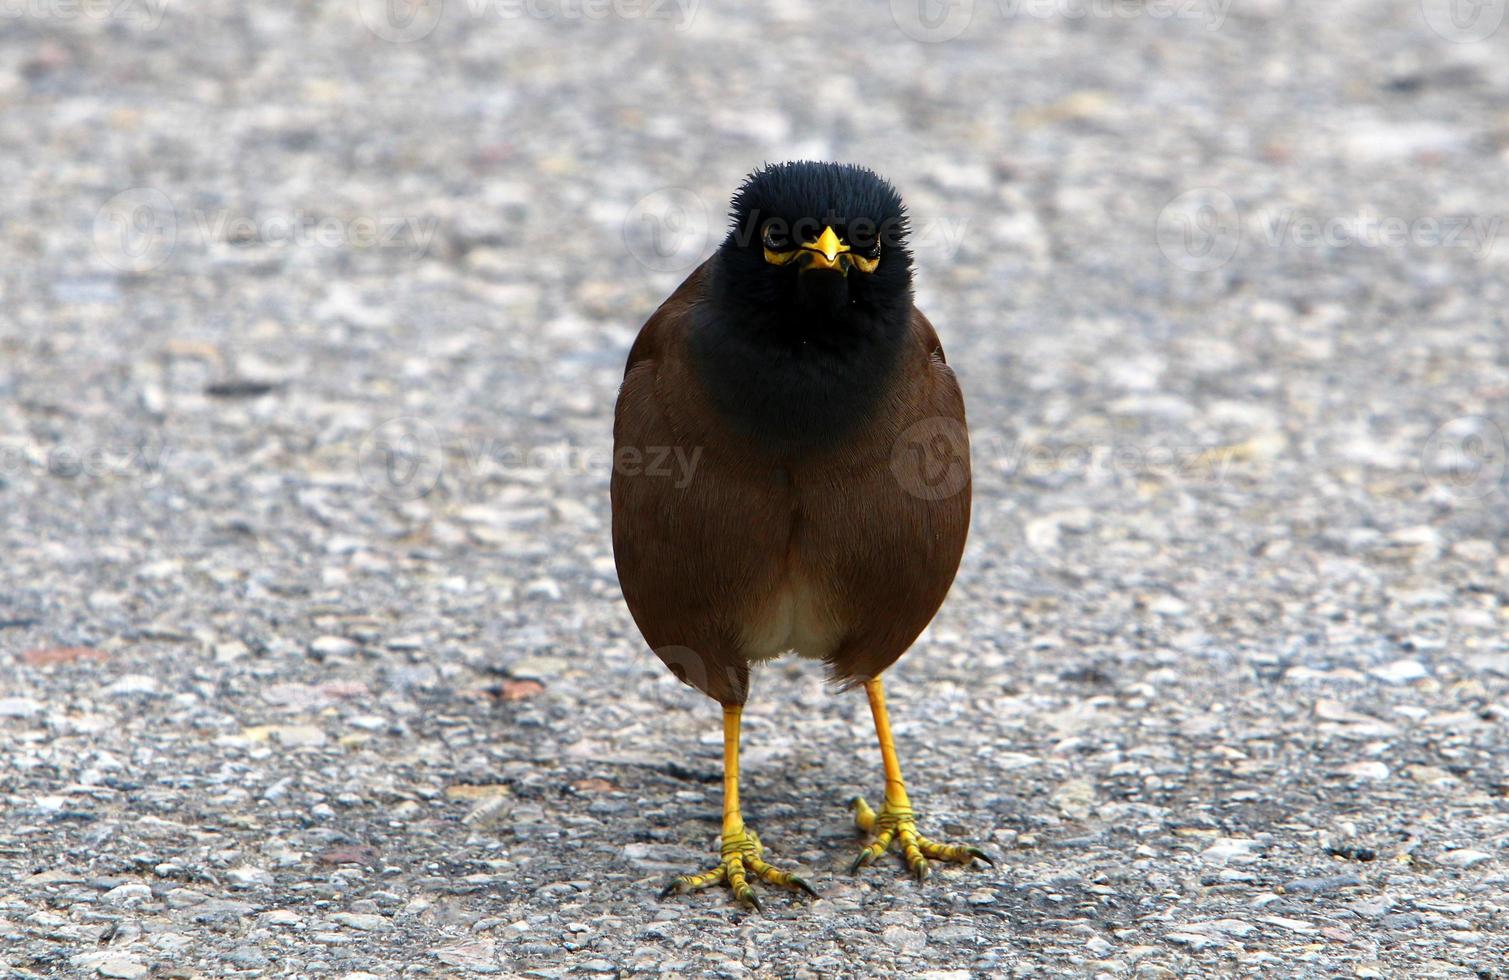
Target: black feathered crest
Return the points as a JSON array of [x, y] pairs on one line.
[[797, 357], [810, 191]]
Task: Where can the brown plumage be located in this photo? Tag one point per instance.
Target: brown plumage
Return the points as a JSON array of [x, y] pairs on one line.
[[791, 472], [843, 553]]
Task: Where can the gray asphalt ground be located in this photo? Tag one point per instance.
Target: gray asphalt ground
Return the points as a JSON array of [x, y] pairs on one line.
[[312, 658]]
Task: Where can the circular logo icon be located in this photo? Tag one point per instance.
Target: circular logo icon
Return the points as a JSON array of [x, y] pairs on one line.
[[667, 230], [1468, 456], [400, 21], [1200, 230], [710, 674], [63, 461], [932, 21], [136, 230], [401, 459], [931, 458], [1464, 21]]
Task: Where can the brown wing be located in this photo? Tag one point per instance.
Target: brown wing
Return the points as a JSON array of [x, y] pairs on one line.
[[883, 523], [724, 551], [698, 533]]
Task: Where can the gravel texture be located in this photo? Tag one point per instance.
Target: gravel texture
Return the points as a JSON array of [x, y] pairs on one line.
[[312, 659]]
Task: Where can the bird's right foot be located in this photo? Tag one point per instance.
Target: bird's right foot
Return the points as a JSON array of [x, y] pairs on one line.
[[740, 859], [895, 825]]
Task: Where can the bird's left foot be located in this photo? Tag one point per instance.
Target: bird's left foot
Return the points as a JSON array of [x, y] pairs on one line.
[[741, 859], [897, 825]]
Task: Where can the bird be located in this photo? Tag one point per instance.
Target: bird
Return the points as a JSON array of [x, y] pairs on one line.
[[791, 474]]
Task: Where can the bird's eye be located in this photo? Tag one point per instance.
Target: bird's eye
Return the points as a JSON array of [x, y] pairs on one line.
[[775, 239], [866, 245]]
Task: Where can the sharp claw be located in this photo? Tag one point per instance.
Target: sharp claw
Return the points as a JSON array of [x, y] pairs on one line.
[[895, 824], [754, 900], [855, 801], [804, 886], [674, 888]]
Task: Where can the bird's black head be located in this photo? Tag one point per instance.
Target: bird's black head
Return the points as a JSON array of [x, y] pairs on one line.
[[823, 244]]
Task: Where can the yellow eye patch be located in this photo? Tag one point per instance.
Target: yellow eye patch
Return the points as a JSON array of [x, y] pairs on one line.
[[827, 252]]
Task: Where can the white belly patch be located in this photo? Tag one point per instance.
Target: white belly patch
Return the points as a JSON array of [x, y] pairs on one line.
[[794, 620]]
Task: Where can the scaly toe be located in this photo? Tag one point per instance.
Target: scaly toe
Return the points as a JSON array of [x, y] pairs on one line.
[[802, 884], [747, 894], [740, 861], [912, 852], [864, 817], [775, 876], [899, 826], [864, 857], [957, 853], [681, 884]]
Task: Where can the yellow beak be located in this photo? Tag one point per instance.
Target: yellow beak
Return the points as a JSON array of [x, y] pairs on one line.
[[825, 251]]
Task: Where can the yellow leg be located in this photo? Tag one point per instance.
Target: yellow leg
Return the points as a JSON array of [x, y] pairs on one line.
[[895, 823], [741, 849]]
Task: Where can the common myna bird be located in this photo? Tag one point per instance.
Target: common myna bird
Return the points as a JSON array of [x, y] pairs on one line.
[[791, 473]]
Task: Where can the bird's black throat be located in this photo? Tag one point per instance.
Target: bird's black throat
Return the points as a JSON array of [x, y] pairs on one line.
[[797, 353], [795, 377]]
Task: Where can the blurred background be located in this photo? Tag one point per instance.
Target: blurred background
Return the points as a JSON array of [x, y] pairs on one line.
[[312, 316]]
